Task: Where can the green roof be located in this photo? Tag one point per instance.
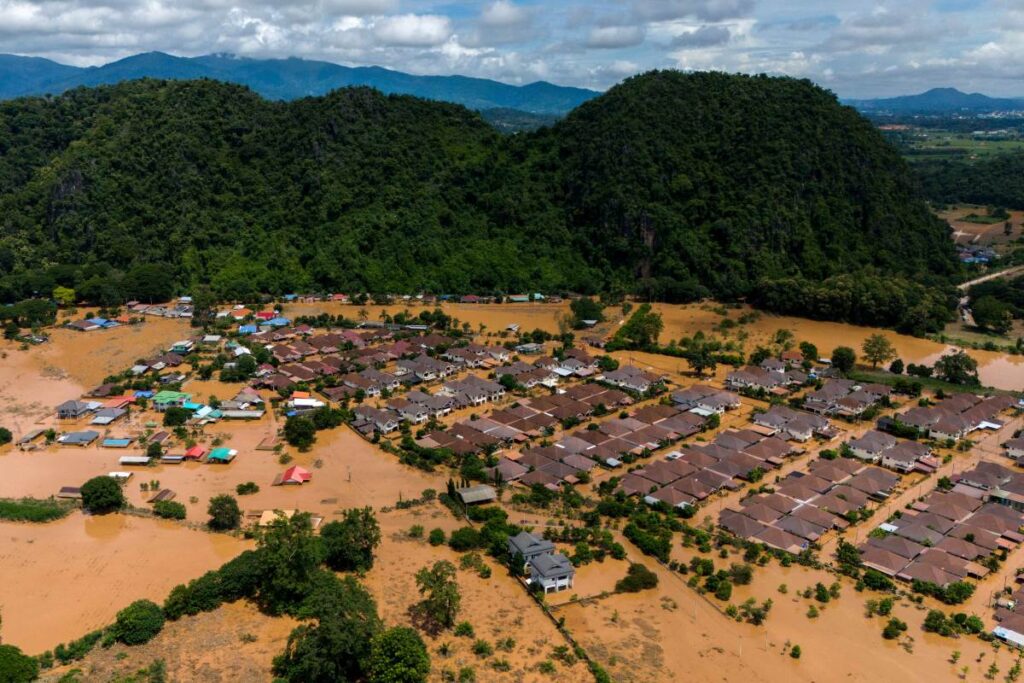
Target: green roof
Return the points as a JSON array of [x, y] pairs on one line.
[[171, 397]]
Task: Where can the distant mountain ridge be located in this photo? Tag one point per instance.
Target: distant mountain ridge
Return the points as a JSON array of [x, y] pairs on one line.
[[938, 101], [285, 79]]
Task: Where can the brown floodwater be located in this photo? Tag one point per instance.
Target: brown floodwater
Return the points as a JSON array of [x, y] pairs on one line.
[[60, 580]]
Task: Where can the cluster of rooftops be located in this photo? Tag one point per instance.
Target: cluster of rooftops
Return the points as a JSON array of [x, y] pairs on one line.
[[945, 536]]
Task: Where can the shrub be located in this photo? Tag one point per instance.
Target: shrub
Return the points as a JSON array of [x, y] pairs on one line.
[[16, 667], [398, 655], [169, 509], [481, 648], [436, 537], [33, 510], [416, 531], [5, 436], [247, 488], [893, 629], [466, 538], [638, 578], [795, 652], [138, 623], [101, 495], [741, 574], [464, 629]]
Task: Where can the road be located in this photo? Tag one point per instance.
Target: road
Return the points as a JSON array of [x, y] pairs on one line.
[[991, 276]]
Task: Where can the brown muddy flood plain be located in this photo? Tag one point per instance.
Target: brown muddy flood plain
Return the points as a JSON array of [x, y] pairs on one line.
[[63, 579]]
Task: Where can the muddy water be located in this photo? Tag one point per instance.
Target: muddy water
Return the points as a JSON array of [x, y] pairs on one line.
[[61, 580], [497, 607], [670, 633], [995, 369]]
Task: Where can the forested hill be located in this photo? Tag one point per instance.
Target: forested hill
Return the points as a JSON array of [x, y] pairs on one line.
[[671, 185]]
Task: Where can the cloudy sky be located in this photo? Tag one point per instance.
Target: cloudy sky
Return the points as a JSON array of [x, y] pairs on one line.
[[857, 48]]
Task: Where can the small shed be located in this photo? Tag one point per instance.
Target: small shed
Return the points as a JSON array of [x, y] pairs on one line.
[[476, 495]]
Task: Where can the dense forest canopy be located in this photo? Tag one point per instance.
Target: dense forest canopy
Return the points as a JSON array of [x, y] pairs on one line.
[[673, 186], [996, 180]]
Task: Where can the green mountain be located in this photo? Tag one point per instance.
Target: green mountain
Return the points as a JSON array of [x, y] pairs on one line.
[[939, 101], [672, 185], [285, 79]]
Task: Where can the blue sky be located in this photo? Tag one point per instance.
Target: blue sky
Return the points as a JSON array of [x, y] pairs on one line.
[[857, 48]]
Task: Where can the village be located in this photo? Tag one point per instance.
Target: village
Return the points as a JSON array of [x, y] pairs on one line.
[[782, 472]]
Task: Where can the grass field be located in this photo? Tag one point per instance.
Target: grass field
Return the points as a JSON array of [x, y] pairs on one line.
[[938, 144], [34, 509]]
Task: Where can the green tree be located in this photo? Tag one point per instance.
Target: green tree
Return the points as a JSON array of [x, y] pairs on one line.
[[349, 543], [300, 432], [641, 330], [398, 655], [992, 314], [337, 646], [224, 513], [809, 351], [101, 495], [175, 416], [957, 368], [64, 296], [16, 667], [139, 622], [5, 436], [585, 308], [877, 349], [843, 358], [441, 593], [291, 556]]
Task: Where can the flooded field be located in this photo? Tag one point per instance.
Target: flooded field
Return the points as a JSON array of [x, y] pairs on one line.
[[60, 580], [671, 633], [496, 607]]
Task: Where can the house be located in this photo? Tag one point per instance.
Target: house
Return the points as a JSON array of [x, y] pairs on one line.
[[184, 346], [221, 455], [167, 399], [1014, 448], [872, 445], [72, 410], [415, 413], [106, 416], [907, 456], [553, 572], [78, 438], [371, 419], [293, 475]]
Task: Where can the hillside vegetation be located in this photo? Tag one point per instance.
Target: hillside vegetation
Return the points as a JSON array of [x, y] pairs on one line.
[[997, 180], [673, 186]]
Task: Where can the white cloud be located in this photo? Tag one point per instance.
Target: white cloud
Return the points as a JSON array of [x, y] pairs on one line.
[[706, 10], [611, 37], [503, 22], [413, 30], [705, 36]]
